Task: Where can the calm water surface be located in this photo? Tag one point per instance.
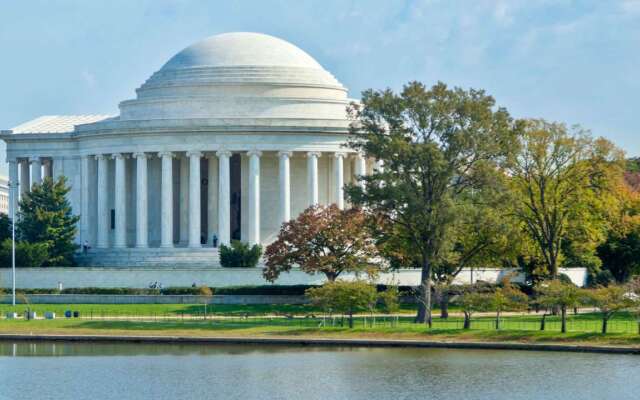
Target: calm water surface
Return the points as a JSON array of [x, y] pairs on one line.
[[160, 371]]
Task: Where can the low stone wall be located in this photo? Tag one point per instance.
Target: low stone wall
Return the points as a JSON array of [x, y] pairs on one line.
[[160, 299], [141, 277]]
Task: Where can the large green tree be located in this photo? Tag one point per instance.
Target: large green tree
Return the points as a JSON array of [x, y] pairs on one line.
[[435, 144], [561, 180], [45, 216]]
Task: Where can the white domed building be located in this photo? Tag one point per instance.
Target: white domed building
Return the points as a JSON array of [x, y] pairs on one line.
[[232, 136]]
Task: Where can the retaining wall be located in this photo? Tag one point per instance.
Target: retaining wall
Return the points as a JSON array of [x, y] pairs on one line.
[[141, 277]]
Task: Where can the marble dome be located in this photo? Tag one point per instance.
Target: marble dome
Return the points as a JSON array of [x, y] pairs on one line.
[[239, 75]]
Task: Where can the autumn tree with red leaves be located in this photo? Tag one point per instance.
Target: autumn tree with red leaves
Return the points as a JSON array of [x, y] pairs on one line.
[[324, 240]]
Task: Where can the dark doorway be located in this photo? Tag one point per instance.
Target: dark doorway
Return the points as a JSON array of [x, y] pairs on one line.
[[236, 195]]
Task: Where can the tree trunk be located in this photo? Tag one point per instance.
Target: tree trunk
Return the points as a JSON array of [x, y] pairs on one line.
[[467, 321], [424, 295], [497, 320], [604, 324], [444, 304], [543, 322], [350, 319], [563, 327]]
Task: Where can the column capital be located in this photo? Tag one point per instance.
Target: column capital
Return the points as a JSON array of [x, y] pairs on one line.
[[223, 153], [101, 157], [12, 160], [118, 156], [254, 153], [194, 153], [141, 154], [339, 154], [285, 153], [163, 154], [34, 159], [314, 154]]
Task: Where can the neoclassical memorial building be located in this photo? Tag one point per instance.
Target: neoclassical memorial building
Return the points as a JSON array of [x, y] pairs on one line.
[[232, 136]]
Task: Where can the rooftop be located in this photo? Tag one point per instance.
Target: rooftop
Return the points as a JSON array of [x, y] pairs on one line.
[[57, 123]]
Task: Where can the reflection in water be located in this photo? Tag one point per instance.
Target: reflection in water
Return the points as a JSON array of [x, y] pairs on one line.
[[62, 370]]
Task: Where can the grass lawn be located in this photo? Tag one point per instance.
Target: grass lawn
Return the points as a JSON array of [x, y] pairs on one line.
[[583, 328], [176, 309]]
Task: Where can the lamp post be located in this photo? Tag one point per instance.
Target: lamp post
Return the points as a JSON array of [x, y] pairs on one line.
[[12, 187]]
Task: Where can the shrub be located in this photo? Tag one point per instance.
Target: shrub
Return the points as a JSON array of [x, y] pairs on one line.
[[344, 297], [389, 300], [28, 255], [240, 255]]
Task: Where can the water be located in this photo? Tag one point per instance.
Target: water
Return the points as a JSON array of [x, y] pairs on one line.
[[161, 371]]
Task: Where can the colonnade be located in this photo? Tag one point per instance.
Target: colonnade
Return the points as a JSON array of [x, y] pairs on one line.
[[100, 203]]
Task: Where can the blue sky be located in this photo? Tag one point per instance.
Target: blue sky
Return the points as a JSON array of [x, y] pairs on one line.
[[563, 60]]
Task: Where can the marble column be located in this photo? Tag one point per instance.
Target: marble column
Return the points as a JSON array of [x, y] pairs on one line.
[[142, 203], [360, 169], [120, 239], [36, 170], [254, 197], [25, 177], [312, 177], [224, 197], [195, 230], [58, 167], [103, 202], [184, 201], [13, 188], [338, 179], [166, 208], [47, 168], [285, 186], [84, 198], [212, 198]]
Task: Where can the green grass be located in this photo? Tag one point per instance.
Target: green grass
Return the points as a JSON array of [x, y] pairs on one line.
[[310, 328], [175, 309]]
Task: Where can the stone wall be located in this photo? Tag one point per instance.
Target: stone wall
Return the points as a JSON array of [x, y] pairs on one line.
[[141, 277]]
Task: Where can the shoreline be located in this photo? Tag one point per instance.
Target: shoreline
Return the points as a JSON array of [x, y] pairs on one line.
[[328, 342]]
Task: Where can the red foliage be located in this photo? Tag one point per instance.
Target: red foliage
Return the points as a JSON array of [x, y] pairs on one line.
[[322, 240]]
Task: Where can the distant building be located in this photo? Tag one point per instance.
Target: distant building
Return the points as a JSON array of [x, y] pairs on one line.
[[4, 195]]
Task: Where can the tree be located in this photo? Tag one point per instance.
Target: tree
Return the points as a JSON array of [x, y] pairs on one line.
[[28, 255], [5, 227], [324, 240], [390, 300], [562, 295], [472, 301], [505, 298], [436, 145], [483, 234], [46, 217], [609, 301], [560, 182], [240, 255], [343, 297], [620, 254]]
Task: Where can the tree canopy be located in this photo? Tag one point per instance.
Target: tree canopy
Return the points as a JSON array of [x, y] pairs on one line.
[[322, 239], [436, 144]]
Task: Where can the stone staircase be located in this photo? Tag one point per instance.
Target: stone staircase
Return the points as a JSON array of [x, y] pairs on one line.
[[151, 257]]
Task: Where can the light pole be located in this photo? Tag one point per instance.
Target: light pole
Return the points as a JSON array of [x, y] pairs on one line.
[[12, 187]]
